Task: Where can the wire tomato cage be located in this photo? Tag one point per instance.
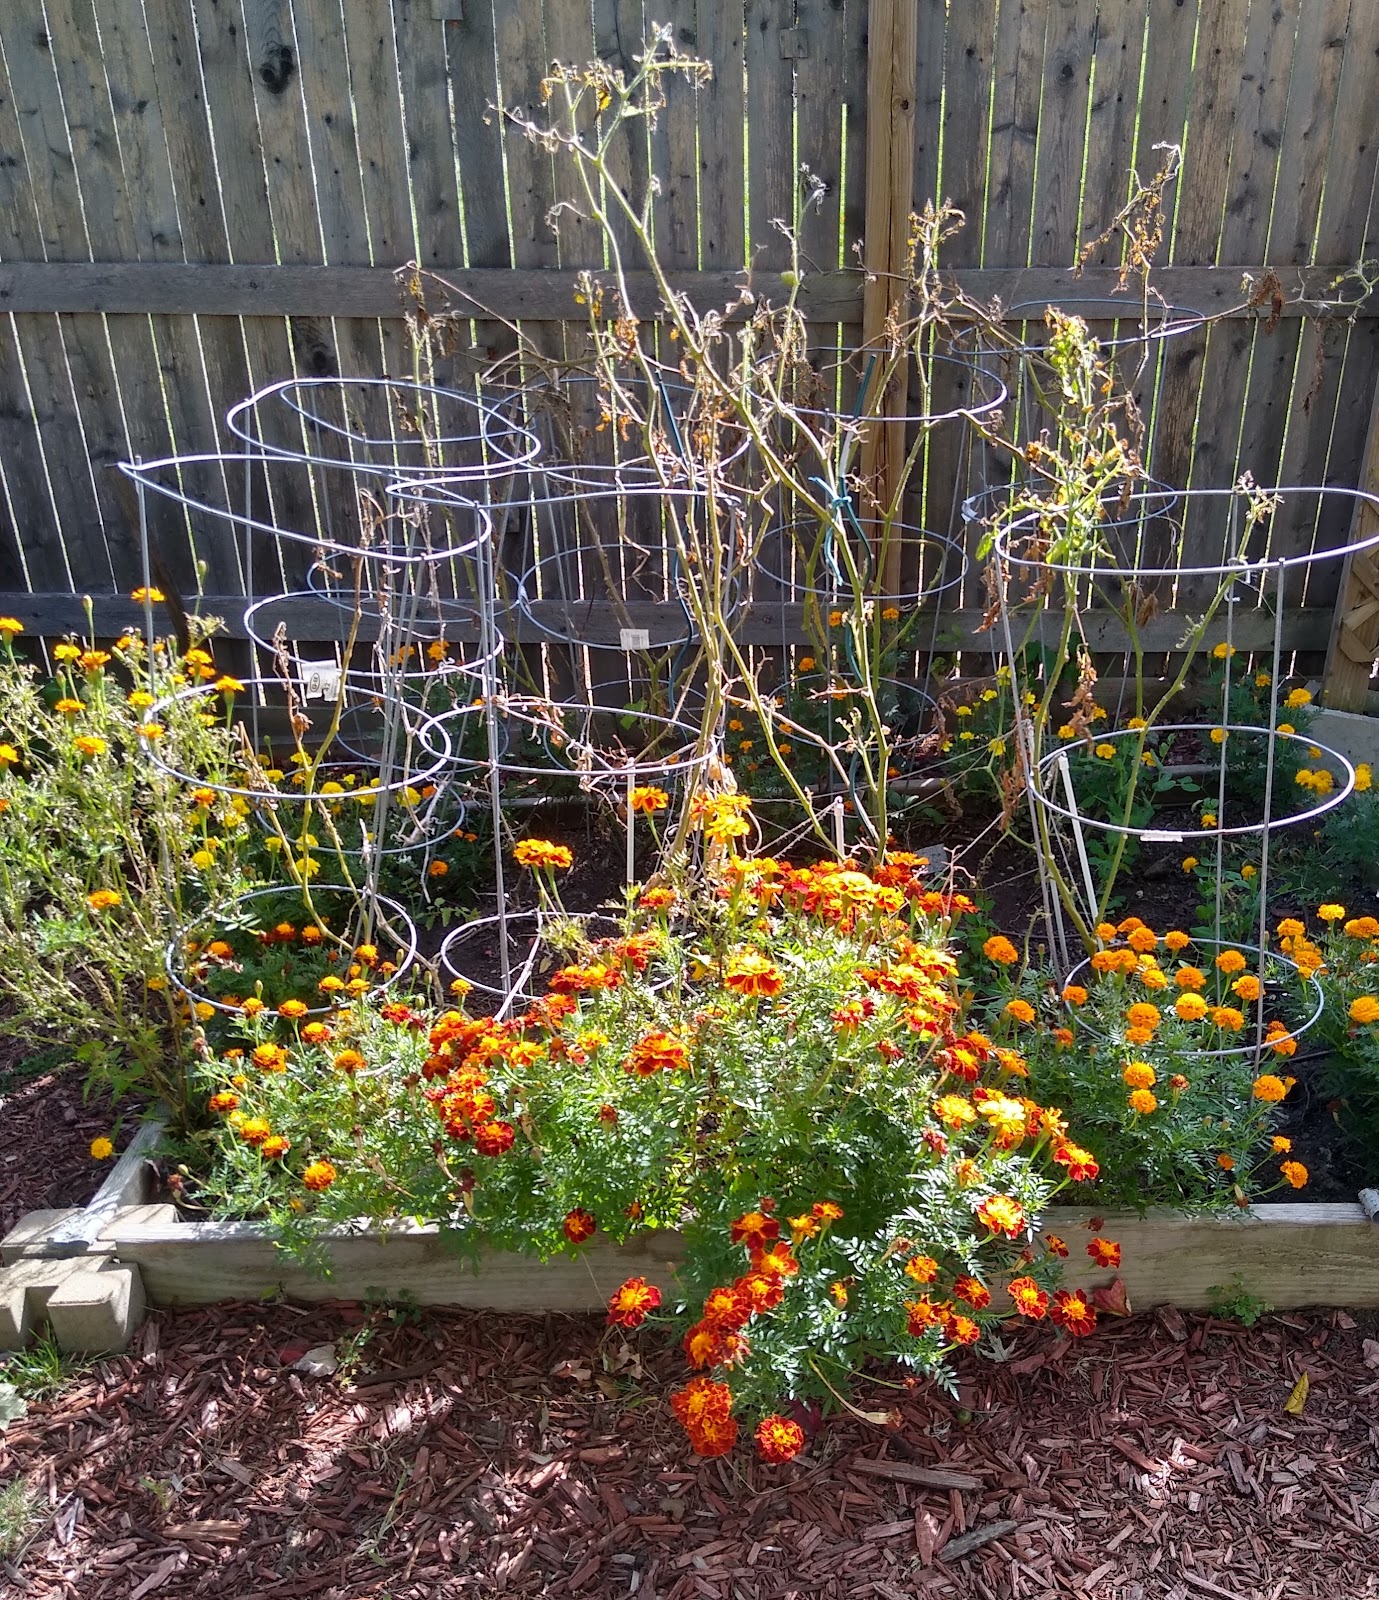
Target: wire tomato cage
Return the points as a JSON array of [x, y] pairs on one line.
[[1239, 606]]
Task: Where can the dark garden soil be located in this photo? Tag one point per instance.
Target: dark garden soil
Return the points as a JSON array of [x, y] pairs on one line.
[[46, 1129], [492, 1455]]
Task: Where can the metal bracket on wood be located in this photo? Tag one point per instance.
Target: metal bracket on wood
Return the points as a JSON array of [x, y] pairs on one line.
[[794, 44]]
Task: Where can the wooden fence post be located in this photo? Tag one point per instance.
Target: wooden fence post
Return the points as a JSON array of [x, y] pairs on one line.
[[1354, 645], [892, 42]]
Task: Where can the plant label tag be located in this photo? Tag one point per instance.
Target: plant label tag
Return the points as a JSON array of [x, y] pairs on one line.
[[321, 680], [1161, 836], [634, 638]]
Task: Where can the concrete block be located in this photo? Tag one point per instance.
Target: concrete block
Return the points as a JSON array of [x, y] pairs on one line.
[[29, 1235], [1349, 734], [97, 1308]]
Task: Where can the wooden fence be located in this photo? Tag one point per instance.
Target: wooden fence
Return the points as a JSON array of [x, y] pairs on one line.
[[202, 196]]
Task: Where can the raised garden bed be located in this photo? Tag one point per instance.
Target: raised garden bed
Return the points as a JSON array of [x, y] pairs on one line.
[[1287, 1255]]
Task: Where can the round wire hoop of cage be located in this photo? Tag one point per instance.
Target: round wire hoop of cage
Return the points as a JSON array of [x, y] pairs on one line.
[[379, 914], [384, 428], [1255, 529], [832, 568], [1270, 965], [386, 771], [536, 941]]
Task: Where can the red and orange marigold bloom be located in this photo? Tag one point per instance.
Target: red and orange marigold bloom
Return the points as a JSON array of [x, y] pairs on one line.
[[1055, 1246], [923, 1269], [1028, 1298], [751, 973], [704, 1409], [776, 1262], [632, 1303], [494, 1138], [318, 1175], [961, 1329], [1073, 1311], [275, 1147], [976, 1294], [760, 1291], [1105, 1252], [726, 1307], [920, 1315], [778, 1439], [541, 853], [579, 1225], [709, 1344], [825, 1212], [1002, 1215], [657, 1052], [647, 799], [225, 1101], [754, 1230]]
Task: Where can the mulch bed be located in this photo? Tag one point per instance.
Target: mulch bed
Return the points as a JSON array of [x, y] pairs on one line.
[[486, 1455], [47, 1128]]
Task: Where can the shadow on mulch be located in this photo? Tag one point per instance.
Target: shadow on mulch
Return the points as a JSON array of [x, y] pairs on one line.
[[478, 1454]]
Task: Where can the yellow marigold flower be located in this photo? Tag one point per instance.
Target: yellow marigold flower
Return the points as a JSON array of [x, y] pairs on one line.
[[94, 660], [1294, 1173], [1248, 988], [1138, 1075], [90, 744], [1262, 680], [1269, 1088], [1189, 862], [1364, 1009], [1142, 1103], [1218, 736], [252, 1006], [1223, 651], [890, 613], [1331, 913], [101, 1148], [228, 685], [1291, 928], [835, 619], [1153, 978], [290, 1010], [1280, 1145], [1249, 871], [1143, 1015], [954, 1111], [9, 626], [1297, 697], [1190, 1007], [999, 949], [67, 707], [66, 652], [1105, 751], [103, 899], [1208, 819], [1228, 1017], [151, 731], [1364, 778], [1287, 728], [1067, 731], [1230, 961], [804, 664], [8, 756], [153, 596], [1020, 1010], [1139, 1036]]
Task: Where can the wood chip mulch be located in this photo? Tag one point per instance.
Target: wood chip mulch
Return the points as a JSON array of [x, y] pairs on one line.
[[487, 1455]]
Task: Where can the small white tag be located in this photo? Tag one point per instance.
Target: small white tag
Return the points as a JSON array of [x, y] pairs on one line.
[[321, 680], [1161, 836], [634, 638]]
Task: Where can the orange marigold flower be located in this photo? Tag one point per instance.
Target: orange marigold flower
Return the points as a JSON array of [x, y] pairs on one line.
[[1020, 1010], [1143, 939], [778, 1439], [1105, 1252], [1280, 1145], [1294, 1173], [1062, 1038], [1228, 1017], [839, 1292], [1028, 1298], [252, 1006], [1138, 1075], [1002, 1215], [318, 1175], [923, 1269], [976, 1293], [1177, 940], [961, 1329], [761, 1291], [1226, 1162], [657, 1052], [657, 899], [1143, 1103], [1190, 978], [494, 1138], [1056, 1246], [275, 1147], [539, 853], [1074, 994], [1248, 988], [921, 1315], [1364, 1009], [1230, 961], [348, 1061], [647, 798], [1190, 1007], [1073, 1311], [726, 1308], [269, 1057], [704, 1409], [826, 1211], [1142, 1015], [754, 1230], [632, 1303], [999, 949], [224, 1101], [805, 1226], [711, 1345], [776, 1262], [1268, 1088], [315, 1033], [578, 1226], [290, 1010], [103, 900], [1106, 931], [751, 973], [1177, 1083]]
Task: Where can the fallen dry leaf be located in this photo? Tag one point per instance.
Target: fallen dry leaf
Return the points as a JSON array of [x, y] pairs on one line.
[[1297, 1400]]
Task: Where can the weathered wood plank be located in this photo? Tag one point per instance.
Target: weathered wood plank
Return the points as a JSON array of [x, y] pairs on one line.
[[1289, 1255], [720, 112], [1068, 51], [771, 174]]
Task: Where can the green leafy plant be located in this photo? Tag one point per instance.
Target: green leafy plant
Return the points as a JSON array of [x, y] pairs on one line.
[[1234, 1302]]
